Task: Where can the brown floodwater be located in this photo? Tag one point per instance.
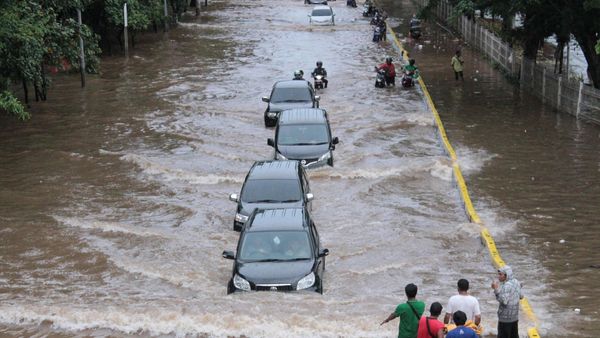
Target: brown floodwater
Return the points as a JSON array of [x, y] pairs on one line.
[[114, 208]]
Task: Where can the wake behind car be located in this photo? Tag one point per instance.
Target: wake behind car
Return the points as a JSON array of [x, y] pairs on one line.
[[278, 250], [322, 15], [304, 134], [272, 184], [316, 2], [287, 95]]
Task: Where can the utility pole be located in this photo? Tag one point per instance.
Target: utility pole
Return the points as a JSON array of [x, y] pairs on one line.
[[81, 51], [166, 16], [126, 37]]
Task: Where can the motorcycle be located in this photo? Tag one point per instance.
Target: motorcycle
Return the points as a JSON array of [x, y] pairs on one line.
[[377, 34], [318, 81], [367, 10], [407, 79], [380, 79], [351, 3], [415, 28]]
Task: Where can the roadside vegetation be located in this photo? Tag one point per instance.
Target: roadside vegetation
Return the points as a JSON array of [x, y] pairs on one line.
[[38, 37], [540, 19]]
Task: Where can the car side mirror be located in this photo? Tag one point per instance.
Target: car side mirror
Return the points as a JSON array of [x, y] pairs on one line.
[[234, 197], [322, 253], [310, 196], [335, 140], [265, 99], [230, 255], [271, 142], [317, 97]]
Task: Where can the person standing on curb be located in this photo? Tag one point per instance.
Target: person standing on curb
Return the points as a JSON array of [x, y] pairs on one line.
[[457, 65], [463, 302], [431, 327], [410, 313], [508, 293]]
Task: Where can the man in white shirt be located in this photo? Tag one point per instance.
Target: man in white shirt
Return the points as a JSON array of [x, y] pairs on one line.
[[463, 302]]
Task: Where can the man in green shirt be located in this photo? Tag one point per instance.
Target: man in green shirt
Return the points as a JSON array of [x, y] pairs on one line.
[[409, 313]]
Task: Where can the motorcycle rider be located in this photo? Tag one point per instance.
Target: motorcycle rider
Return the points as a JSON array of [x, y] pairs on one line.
[[390, 71], [412, 69], [298, 75], [320, 71]]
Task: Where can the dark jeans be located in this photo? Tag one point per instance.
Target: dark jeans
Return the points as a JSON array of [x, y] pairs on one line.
[[508, 330], [390, 80], [457, 74]]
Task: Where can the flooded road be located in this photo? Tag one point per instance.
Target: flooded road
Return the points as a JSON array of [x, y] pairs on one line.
[[114, 209]]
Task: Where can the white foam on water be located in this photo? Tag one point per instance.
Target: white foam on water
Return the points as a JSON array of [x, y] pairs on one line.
[[172, 174], [472, 160], [107, 152], [110, 227], [442, 169]]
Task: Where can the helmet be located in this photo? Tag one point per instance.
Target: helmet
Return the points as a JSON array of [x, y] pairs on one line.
[[298, 74], [319, 63], [388, 59]]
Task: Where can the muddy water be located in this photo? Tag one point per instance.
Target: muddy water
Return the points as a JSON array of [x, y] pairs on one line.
[[114, 208], [537, 190]]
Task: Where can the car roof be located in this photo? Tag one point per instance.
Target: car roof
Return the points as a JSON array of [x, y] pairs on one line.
[[277, 219], [303, 115], [292, 84], [322, 7], [262, 170]]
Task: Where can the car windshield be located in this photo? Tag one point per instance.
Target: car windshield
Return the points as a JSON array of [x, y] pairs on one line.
[[271, 191], [302, 134], [291, 95], [275, 246], [321, 12]]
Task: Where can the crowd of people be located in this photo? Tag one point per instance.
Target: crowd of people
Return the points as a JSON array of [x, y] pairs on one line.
[[463, 315]]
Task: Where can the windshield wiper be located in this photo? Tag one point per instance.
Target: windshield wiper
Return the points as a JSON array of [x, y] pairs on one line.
[[308, 143], [289, 201], [265, 201]]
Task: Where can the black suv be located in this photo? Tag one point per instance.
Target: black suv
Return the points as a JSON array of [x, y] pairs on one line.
[[287, 95], [304, 134], [278, 250], [272, 184]]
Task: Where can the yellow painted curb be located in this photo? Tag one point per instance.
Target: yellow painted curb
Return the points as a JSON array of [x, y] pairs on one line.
[[486, 237]]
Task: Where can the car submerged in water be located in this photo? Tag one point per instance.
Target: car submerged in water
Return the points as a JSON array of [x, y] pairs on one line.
[[289, 94], [304, 134], [278, 250], [272, 184], [322, 15]]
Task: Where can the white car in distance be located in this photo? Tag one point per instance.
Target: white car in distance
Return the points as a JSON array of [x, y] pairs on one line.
[[322, 15]]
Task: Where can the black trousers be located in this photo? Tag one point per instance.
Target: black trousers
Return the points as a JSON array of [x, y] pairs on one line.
[[508, 330]]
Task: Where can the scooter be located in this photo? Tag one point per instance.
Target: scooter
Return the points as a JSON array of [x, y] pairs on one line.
[[377, 34], [367, 10], [380, 79], [415, 28], [407, 79], [351, 3], [318, 82]]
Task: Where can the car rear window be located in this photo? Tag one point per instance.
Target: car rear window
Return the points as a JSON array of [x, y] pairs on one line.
[[321, 12], [291, 95], [275, 245], [302, 134], [271, 191]]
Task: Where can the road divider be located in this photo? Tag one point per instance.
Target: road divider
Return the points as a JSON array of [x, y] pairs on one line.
[[486, 237]]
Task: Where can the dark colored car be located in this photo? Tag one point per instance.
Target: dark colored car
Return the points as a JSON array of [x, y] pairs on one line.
[[287, 95], [278, 250], [316, 2], [304, 134], [272, 184]]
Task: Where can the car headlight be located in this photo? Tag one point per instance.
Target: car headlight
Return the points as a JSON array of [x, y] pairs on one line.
[[325, 156], [241, 218], [241, 283], [280, 157], [271, 114], [306, 282]]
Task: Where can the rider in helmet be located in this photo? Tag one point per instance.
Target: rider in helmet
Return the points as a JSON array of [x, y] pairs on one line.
[[412, 69], [298, 75], [390, 71], [320, 71]]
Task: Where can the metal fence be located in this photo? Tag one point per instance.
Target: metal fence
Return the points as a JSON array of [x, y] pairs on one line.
[[562, 92]]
